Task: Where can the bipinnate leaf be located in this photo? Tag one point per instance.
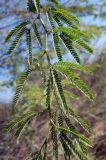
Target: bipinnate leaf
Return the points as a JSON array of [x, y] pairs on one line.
[[29, 46], [21, 84], [16, 40], [15, 30], [75, 79], [72, 66]]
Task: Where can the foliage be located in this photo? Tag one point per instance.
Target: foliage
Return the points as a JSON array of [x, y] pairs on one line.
[[63, 27]]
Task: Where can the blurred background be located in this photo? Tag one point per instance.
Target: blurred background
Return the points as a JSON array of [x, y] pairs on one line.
[[92, 15]]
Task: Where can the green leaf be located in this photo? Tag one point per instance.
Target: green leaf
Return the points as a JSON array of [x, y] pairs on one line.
[[70, 95], [20, 128], [15, 30], [81, 146], [73, 33], [20, 85], [54, 136], [31, 6], [16, 40], [68, 122], [77, 135], [37, 34], [70, 65], [84, 45], [55, 38], [66, 14], [60, 120], [37, 5], [18, 120], [69, 46], [77, 152], [48, 91], [59, 90], [75, 79], [59, 18], [51, 20], [66, 149], [80, 120], [67, 82], [57, 46], [29, 46]]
